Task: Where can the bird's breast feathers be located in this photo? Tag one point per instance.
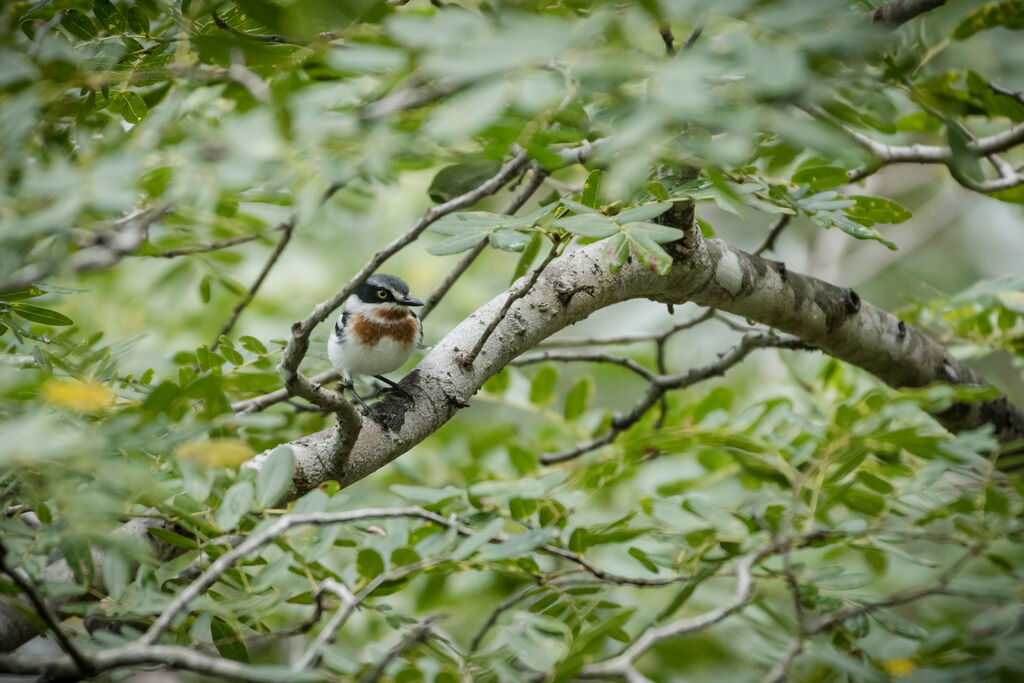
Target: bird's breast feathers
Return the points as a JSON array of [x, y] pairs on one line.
[[400, 329]]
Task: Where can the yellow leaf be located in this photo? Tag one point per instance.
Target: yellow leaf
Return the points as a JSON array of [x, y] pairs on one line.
[[83, 397], [900, 667], [216, 452]]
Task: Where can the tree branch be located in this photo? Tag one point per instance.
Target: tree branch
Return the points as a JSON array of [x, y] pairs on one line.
[[900, 11], [82, 664], [289, 226], [532, 185], [660, 384], [105, 249]]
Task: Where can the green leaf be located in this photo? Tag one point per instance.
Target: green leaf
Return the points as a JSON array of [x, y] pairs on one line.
[[160, 397], [130, 105], [870, 210], [44, 514], [577, 207], [526, 260], [116, 572], [137, 20], [172, 538], [452, 181], [423, 494], [650, 253], [577, 398], [38, 314], [369, 563], [588, 225], [470, 222], [543, 384], [525, 461], [253, 345], [456, 244], [516, 546], [78, 25], [641, 557], [654, 232], [616, 252], [497, 383], [507, 240], [473, 543], [228, 641], [1008, 14], [108, 16], [19, 294], [1013, 301], [232, 356], [830, 219], [235, 504], [821, 177], [275, 476], [643, 213], [591, 188]]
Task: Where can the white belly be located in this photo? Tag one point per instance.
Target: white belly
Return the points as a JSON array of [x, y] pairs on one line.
[[354, 361]]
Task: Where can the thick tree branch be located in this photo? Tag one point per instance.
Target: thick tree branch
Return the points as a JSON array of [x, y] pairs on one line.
[[708, 272]]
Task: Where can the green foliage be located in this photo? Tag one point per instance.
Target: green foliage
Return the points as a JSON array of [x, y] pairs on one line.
[[117, 395], [1009, 14]]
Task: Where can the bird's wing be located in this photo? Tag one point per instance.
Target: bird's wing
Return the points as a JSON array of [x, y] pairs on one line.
[[419, 336], [339, 327]]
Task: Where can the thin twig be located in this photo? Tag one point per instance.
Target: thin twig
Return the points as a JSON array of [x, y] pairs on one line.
[[666, 36], [1015, 94], [662, 384], [285, 522], [692, 38], [134, 655], [249, 295], [219, 244], [264, 401], [934, 154], [105, 249], [532, 185], [83, 665], [348, 604], [261, 37], [898, 598], [583, 357], [769, 242], [779, 671], [505, 605], [514, 295], [419, 634], [627, 338], [618, 665]]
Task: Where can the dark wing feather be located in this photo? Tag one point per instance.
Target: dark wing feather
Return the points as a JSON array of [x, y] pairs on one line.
[[419, 325], [341, 325]]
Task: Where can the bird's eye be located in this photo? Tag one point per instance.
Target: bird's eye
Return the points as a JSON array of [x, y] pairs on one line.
[[382, 294]]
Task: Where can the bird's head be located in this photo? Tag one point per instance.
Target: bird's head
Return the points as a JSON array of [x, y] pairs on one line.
[[383, 293]]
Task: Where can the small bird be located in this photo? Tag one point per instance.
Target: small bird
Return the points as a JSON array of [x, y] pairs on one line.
[[376, 332]]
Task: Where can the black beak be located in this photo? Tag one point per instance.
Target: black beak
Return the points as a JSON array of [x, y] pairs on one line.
[[410, 301]]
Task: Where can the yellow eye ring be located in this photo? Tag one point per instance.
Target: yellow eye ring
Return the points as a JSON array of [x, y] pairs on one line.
[[382, 294]]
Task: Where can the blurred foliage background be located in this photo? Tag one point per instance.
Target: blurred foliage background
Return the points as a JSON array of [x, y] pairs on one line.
[[151, 151]]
